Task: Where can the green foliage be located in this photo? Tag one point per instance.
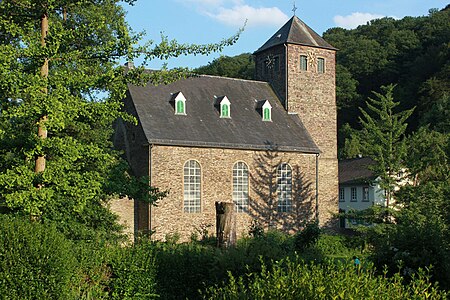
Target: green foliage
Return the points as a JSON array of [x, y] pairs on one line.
[[76, 104], [293, 279], [239, 66], [383, 137], [37, 262], [307, 237], [133, 272], [412, 53]]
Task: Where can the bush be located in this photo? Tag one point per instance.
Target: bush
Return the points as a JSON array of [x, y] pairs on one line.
[[36, 261], [296, 280], [133, 272], [307, 237]]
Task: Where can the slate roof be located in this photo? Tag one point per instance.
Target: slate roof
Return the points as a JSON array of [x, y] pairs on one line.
[[356, 170], [295, 31], [202, 125]]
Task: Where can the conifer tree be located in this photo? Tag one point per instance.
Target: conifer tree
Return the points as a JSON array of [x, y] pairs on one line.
[[383, 132]]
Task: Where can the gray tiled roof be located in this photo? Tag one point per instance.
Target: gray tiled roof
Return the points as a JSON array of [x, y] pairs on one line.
[[295, 31], [356, 170], [202, 125]]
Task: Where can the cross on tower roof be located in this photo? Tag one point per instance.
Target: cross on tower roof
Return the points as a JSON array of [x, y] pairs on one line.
[[294, 8]]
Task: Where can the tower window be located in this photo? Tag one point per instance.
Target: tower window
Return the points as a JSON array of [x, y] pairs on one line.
[[320, 65], [303, 63]]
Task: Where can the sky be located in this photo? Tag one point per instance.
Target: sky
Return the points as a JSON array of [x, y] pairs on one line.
[[208, 21]]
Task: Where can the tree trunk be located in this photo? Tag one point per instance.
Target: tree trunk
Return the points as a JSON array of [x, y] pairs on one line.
[[225, 224], [42, 131]]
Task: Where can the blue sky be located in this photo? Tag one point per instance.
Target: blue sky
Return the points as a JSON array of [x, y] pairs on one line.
[[206, 21]]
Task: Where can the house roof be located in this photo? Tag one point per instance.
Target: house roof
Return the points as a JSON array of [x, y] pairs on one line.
[[202, 125], [295, 31], [356, 170]]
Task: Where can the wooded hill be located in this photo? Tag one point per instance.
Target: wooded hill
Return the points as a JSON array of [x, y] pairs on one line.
[[413, 53]]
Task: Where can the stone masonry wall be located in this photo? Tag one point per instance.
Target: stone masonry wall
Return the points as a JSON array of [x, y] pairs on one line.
[[167, 164]]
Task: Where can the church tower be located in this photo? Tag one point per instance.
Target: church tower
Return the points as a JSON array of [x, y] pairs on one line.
[[300, 65]]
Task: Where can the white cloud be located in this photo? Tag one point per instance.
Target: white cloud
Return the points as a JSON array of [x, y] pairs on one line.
[[237, 15], [355, 19]]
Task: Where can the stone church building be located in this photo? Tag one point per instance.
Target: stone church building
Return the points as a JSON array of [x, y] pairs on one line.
[[267, 145]]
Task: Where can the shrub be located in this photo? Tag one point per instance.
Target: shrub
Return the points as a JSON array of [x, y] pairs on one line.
[[307, 237], [296, 280], [36, 261], [133, 272]]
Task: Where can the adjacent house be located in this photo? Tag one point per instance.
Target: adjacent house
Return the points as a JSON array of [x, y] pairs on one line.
[[267, 145], [358, 187]]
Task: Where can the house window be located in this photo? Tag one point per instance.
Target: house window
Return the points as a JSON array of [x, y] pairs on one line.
[[365, 194], [284, 188], [180, 107], [320, 65], [303, 63], [353, 193], [240, 186], [341, 195], [225, 111], [192, 186]]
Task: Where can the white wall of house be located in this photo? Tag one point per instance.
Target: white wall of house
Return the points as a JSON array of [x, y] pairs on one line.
[[354, 197]]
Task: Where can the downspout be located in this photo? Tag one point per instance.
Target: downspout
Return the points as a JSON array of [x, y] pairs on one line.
[[286, 106], [317, 187], [150, 183]]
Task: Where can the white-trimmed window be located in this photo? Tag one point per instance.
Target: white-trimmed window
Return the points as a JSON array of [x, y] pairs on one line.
[[224, 105], [303, 63], [240, 186], [267, 111], [341, 195], [284, 187], [179, 103], [365, 194], [320, 65], [192, 187], [353, 194]]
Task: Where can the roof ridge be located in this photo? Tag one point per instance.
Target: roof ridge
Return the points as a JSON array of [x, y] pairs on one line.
[[231, 78]]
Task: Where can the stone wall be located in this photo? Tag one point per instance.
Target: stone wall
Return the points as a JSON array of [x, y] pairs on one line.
[[167, 164]]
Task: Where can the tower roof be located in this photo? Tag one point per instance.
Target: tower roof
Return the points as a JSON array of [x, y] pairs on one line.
[[295, 31]]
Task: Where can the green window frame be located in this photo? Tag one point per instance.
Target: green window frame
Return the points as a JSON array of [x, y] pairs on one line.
[[320, 65], [225, 111], [266, 114], [180, 107], [303, 63]]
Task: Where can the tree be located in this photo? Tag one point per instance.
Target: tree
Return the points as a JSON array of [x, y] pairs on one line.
[[239, 66], [383, 137], [61, 88]]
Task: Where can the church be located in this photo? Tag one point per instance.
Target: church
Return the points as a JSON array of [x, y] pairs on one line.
[[268, 145]]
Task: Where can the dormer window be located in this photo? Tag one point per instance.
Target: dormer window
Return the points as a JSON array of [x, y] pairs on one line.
[[265, 109], [179, 103], [223, 104]]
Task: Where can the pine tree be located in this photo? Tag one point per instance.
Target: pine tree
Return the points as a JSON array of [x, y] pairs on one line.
[[383, 135]]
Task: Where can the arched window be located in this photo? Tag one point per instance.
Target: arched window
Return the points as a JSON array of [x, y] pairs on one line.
[[240, 186], [192, 186], [284, 187], [225, 111], [180, 107], [266, 116]]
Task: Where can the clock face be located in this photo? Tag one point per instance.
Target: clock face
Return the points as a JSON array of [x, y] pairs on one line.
[[312, 60], [270, 61]]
